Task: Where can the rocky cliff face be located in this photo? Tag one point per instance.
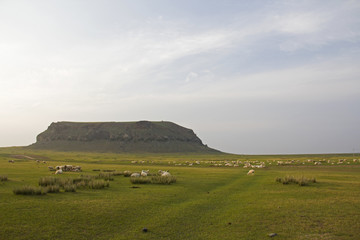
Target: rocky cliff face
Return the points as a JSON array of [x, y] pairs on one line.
[[143, 136]]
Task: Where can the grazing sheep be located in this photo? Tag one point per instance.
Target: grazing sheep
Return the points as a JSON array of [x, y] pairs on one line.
[[164, 173], [144, 173], [11, 161], [59, 171], [251, 172], [135, 174], [51, 168], [77, 169], [59, 167], [68, 168]]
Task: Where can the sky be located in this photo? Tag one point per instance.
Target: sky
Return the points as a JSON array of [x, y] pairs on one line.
[[249, 77]]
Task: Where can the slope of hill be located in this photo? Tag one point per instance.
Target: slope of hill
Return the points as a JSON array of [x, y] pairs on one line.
[[142, 136]]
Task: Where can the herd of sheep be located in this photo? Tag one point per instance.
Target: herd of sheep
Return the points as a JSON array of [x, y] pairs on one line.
[[224, 163], [145, 173]]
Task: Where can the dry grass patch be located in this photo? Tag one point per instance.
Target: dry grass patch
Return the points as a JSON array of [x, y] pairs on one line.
[[301, 181]]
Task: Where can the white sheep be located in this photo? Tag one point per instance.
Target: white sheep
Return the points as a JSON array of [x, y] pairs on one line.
[[164, 173], [59, 171], [251, 172], [59, 167], [144, 173], [135, 174]]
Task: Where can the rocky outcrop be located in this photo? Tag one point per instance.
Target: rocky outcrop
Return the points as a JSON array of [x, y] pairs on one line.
[[142, 136]]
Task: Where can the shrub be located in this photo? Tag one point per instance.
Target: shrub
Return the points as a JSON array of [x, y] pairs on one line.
[[118, 173], [47, 181], [127, 173], [70, 188], [51, 181], [301, 181], [3, 178], [30, 190], [53, 189], [163, 179], [98, 184], [85, 178], [106, 176], [54, 184], [81, 184], [140, 180]]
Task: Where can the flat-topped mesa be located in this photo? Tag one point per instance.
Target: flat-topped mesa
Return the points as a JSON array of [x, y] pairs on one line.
[[142, 136]]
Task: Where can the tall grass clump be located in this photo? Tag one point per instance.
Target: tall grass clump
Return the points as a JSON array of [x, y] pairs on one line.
[[116, 173], [3, 178], [70, 188], [30, 190], [97, 184], [140, 180], [53, 184], [106, 176], [301, 181], [53, 189], [48, 181], [51, 181], [163, 179]]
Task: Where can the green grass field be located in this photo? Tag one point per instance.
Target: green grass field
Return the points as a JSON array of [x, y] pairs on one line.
[[207, 201]]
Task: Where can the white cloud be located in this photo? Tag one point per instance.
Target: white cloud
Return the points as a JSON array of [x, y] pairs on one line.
[[191, 76]]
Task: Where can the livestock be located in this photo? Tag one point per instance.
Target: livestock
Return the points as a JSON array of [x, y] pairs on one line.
[[164, 173], [251, 172], [59, 171], [144, 173], [11, 161], [59, 167], [67, 168], [77, 169], [135, 175], [51, 168]]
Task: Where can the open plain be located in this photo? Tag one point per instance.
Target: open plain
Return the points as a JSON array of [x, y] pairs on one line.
[[213, 197]]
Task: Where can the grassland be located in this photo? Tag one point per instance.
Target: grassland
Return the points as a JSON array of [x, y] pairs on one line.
[[208, 200]]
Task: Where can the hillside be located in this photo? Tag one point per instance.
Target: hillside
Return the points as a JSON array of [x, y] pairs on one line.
[[142, 136]]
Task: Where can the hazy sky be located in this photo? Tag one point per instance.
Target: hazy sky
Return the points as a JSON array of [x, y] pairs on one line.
[[247, 76]]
